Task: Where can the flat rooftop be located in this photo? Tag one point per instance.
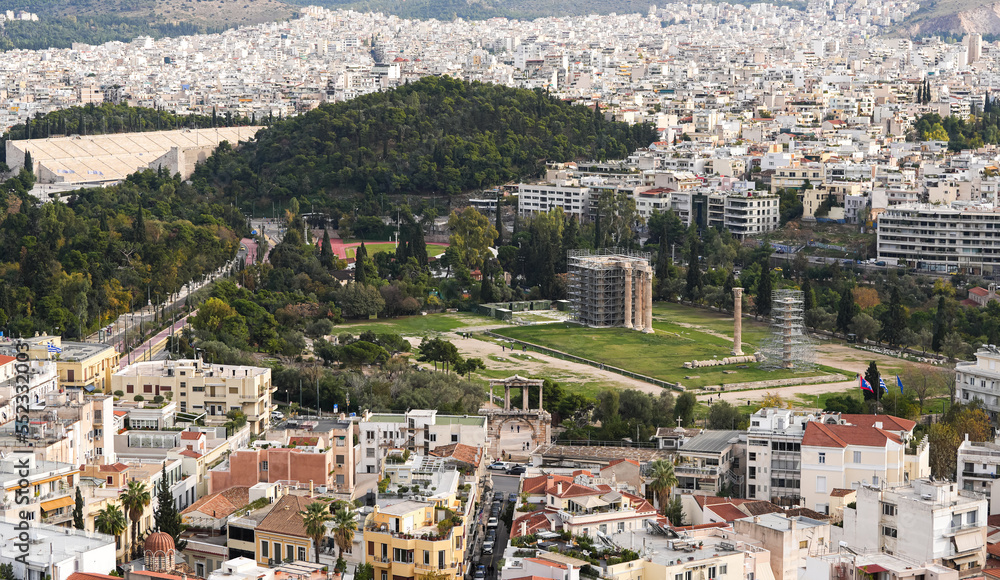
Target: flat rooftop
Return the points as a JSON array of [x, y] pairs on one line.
[[602, 455], [710, 442], [161, 368], [54, 543], [665, 550], [780, 522]]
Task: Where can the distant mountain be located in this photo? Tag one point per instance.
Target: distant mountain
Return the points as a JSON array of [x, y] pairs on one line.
[[63, 22], [953, 17]]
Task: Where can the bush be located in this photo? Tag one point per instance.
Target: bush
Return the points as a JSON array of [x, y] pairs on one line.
[[119, 393], [139, 398], [158, 399]]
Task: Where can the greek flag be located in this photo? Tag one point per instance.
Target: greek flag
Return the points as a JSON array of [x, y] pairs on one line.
[[881, 383], [54, 348]]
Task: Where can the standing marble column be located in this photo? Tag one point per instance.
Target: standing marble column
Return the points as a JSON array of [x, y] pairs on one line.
[[628, 295], [506, 397], [738, 321], [647, 293], [524, 398]]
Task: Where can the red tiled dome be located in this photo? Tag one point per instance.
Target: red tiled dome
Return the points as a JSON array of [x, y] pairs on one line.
[[159, 542]]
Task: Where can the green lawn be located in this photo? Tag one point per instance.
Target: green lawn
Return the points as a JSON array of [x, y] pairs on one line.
[[414, 325], [753, 331], [660, 355]]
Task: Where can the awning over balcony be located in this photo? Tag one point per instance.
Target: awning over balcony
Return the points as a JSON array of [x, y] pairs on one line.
[[971, 540], [55, 504], [962, 560]]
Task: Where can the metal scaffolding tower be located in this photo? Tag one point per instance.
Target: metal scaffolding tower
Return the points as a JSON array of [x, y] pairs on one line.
[[787, 347], [611, 287]]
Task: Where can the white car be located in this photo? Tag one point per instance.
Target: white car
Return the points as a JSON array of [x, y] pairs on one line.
[[277, 415]]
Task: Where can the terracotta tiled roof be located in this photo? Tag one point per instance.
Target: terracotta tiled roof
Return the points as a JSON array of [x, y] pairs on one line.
[[91, 576], [807, 513], [727, 512], [460, 452], [639, 503], [573, 490], [118, 467], [284, 518], [190, 453], [538, 484], [535, 521], [821, 435], [702, 526], [759, 508], [191, 435], [977, 291], [221, 504], [840, 492], [121, 413], [549, 563], [4, 359], [889, 423]]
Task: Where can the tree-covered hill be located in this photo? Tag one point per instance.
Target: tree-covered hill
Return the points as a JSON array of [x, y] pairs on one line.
[[80, 264], [437, 135]]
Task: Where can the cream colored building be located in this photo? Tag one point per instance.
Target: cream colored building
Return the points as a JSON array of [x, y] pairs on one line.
[[201, 388], [788, 540], [845, 456], [82, 365]]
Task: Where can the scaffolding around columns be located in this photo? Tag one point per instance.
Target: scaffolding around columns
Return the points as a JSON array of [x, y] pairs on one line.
[[598, 286], [788, 346]]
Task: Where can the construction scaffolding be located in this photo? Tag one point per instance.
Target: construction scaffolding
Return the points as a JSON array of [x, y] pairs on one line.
[[787, 347], [611, 287]]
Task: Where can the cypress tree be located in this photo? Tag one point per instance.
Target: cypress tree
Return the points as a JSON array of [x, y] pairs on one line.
[[360, 272], [29, 163], [765, 286], [139, 226], [694, 282], [808, 296], [418, 247], [499, 224], [78, 511], [872, 375], [940, 325], [325, 253], [846, 309], [166, 516]]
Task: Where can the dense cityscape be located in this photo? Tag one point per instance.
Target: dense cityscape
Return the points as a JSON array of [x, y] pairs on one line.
[[702, 292]]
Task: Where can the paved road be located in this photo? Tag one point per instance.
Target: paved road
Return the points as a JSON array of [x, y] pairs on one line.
[[503, 485], [142, 351]]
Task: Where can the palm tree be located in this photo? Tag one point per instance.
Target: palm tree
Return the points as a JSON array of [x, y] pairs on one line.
[[315, 517], [111, 520], [135, 499], [661, 480], [344, 526]]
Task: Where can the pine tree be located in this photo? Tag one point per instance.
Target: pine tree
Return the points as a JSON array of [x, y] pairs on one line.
[[166, 517], [765, 286], [78, 511], [360, 271]]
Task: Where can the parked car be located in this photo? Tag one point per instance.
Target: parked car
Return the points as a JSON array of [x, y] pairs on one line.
[[488, 547], [512, 498], [500, 465], [492, 522], [480, 573], [277, 415], [516, 470]]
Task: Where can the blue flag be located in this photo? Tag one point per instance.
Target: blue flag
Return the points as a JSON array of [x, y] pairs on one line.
[[900, 383], [881, 383]]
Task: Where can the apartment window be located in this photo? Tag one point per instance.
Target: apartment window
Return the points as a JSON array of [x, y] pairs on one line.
[[385, 575], [888, 532], [129, 388], [433, 437], [369, 435], [454, 438], [857, 457], [888, 509], [752, 456], [822, 457], [723, 568], [370, 452], [147, 388], [427, 557], [198, 389], [289, 551], [277, 551], [340, 441], [752, 472], [970, 517], [340, 460], [820, 484], [263, 549], [183, 384], [712, 573], [263, 466]]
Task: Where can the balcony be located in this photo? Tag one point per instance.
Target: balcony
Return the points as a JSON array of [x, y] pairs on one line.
[[696, 471], [980, 475]]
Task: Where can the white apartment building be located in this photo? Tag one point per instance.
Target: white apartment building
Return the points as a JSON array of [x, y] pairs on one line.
[[201, 388], [750, 214], [55, 553], [980, 379], [570, 195], [957, 238], [774, 455], [419, 431], [923, 521], [978, 463]]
